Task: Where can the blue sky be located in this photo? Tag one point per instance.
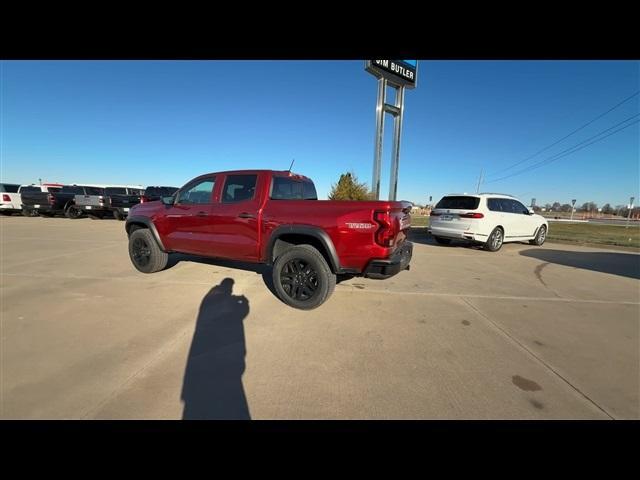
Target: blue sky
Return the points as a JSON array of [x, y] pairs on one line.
[[164, 122]]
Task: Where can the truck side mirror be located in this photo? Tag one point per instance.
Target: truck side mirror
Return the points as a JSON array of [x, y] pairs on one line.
[[167, 200]]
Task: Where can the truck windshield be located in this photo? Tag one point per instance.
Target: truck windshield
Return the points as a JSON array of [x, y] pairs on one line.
[[459, 203]]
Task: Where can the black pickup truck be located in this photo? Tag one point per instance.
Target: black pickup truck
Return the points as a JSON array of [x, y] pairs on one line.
[[60, 202], [121, 199]]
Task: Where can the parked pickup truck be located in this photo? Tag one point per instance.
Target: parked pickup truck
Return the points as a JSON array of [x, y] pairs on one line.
[[121, 199], [36, 198], [10, 202], [59, 202], [93, 201], [153, 193], [274, 218]]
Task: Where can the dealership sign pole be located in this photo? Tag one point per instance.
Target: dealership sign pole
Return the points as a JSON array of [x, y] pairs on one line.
[[399, 74]]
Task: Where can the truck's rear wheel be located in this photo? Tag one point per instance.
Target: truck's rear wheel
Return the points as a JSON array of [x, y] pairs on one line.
[[28, 212], [145, 253], [72, 212], [117, 215], [302, 278]]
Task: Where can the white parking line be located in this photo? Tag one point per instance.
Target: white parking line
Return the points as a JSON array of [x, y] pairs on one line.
[[78, 252], [490, 297]]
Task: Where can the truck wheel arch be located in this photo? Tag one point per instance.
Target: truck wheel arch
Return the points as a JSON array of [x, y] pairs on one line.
[[286, 235], [136, 222]]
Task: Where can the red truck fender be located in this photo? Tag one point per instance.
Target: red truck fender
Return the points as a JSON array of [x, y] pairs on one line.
[[318, 238]]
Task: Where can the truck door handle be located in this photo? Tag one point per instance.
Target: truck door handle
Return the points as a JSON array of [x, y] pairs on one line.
[[201, 214], [246, 215]]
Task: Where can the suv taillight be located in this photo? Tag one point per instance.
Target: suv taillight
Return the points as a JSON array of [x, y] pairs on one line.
[[6, 198], [471, 215], [385, 235]]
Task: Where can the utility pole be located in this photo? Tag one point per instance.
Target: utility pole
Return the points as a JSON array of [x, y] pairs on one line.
[[479, 182]]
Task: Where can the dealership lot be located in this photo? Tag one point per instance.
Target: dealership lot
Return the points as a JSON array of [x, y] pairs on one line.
[[548, 332]]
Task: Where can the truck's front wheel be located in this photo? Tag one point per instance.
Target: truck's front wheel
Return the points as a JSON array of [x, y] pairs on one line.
[[302, 278], [145, 253]]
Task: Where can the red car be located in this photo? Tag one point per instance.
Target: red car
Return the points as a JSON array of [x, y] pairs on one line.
[[275, 218]]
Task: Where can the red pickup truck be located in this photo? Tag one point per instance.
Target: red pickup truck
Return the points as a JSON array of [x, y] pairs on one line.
[[275, 218]]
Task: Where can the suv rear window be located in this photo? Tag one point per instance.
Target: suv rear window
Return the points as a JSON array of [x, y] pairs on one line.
[[459, 202], [285, 188], [9, 188]]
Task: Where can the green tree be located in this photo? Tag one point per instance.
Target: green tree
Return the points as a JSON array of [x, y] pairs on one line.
[[556, 206], [565, 207], [607, 209], [348, 188]]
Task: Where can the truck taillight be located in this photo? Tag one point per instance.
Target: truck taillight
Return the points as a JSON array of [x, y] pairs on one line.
[[143, 199], [51, 199], [385, 235], [6, 198]]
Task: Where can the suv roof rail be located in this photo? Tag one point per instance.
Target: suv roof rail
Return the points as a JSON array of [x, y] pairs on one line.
[[497, 193]]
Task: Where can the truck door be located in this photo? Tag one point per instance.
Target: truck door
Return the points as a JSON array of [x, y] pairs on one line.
[[189, 218], [234, 222]]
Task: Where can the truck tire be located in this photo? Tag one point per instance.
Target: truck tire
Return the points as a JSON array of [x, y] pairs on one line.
[[145, 253], [72, 212], [28, 212], [302, 278], [117, 215]]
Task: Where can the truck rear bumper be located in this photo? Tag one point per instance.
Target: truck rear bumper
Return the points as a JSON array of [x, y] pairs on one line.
[[399, 261]]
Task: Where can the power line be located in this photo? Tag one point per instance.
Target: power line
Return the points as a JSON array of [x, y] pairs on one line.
[[570, 150], [566, 136]]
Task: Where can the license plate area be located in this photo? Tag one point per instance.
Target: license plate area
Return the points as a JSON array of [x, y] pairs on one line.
[[446, 218]]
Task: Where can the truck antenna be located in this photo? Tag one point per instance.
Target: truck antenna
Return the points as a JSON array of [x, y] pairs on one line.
[[290, 166]]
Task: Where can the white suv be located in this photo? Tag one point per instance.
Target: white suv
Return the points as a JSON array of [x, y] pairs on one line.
[[488, 218]]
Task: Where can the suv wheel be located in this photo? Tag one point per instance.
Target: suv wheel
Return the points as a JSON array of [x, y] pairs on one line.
[[72, 212], [302, 278], [541, 236], [495, 240], [145, 253], [442, 240]]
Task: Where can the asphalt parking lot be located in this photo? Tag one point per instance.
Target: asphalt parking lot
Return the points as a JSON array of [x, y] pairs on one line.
[[529, 332]]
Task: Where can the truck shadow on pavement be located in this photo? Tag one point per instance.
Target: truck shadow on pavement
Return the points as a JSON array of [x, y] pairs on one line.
[[212, 386], [623, 264]]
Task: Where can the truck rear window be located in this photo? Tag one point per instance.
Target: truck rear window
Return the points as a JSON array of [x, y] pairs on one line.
[[94, 191], [285, 188], [115, 191], [160, 191], [459, 203], [30, 189]]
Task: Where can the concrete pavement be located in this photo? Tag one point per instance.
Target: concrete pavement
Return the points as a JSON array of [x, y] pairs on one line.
[[529, 332]]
